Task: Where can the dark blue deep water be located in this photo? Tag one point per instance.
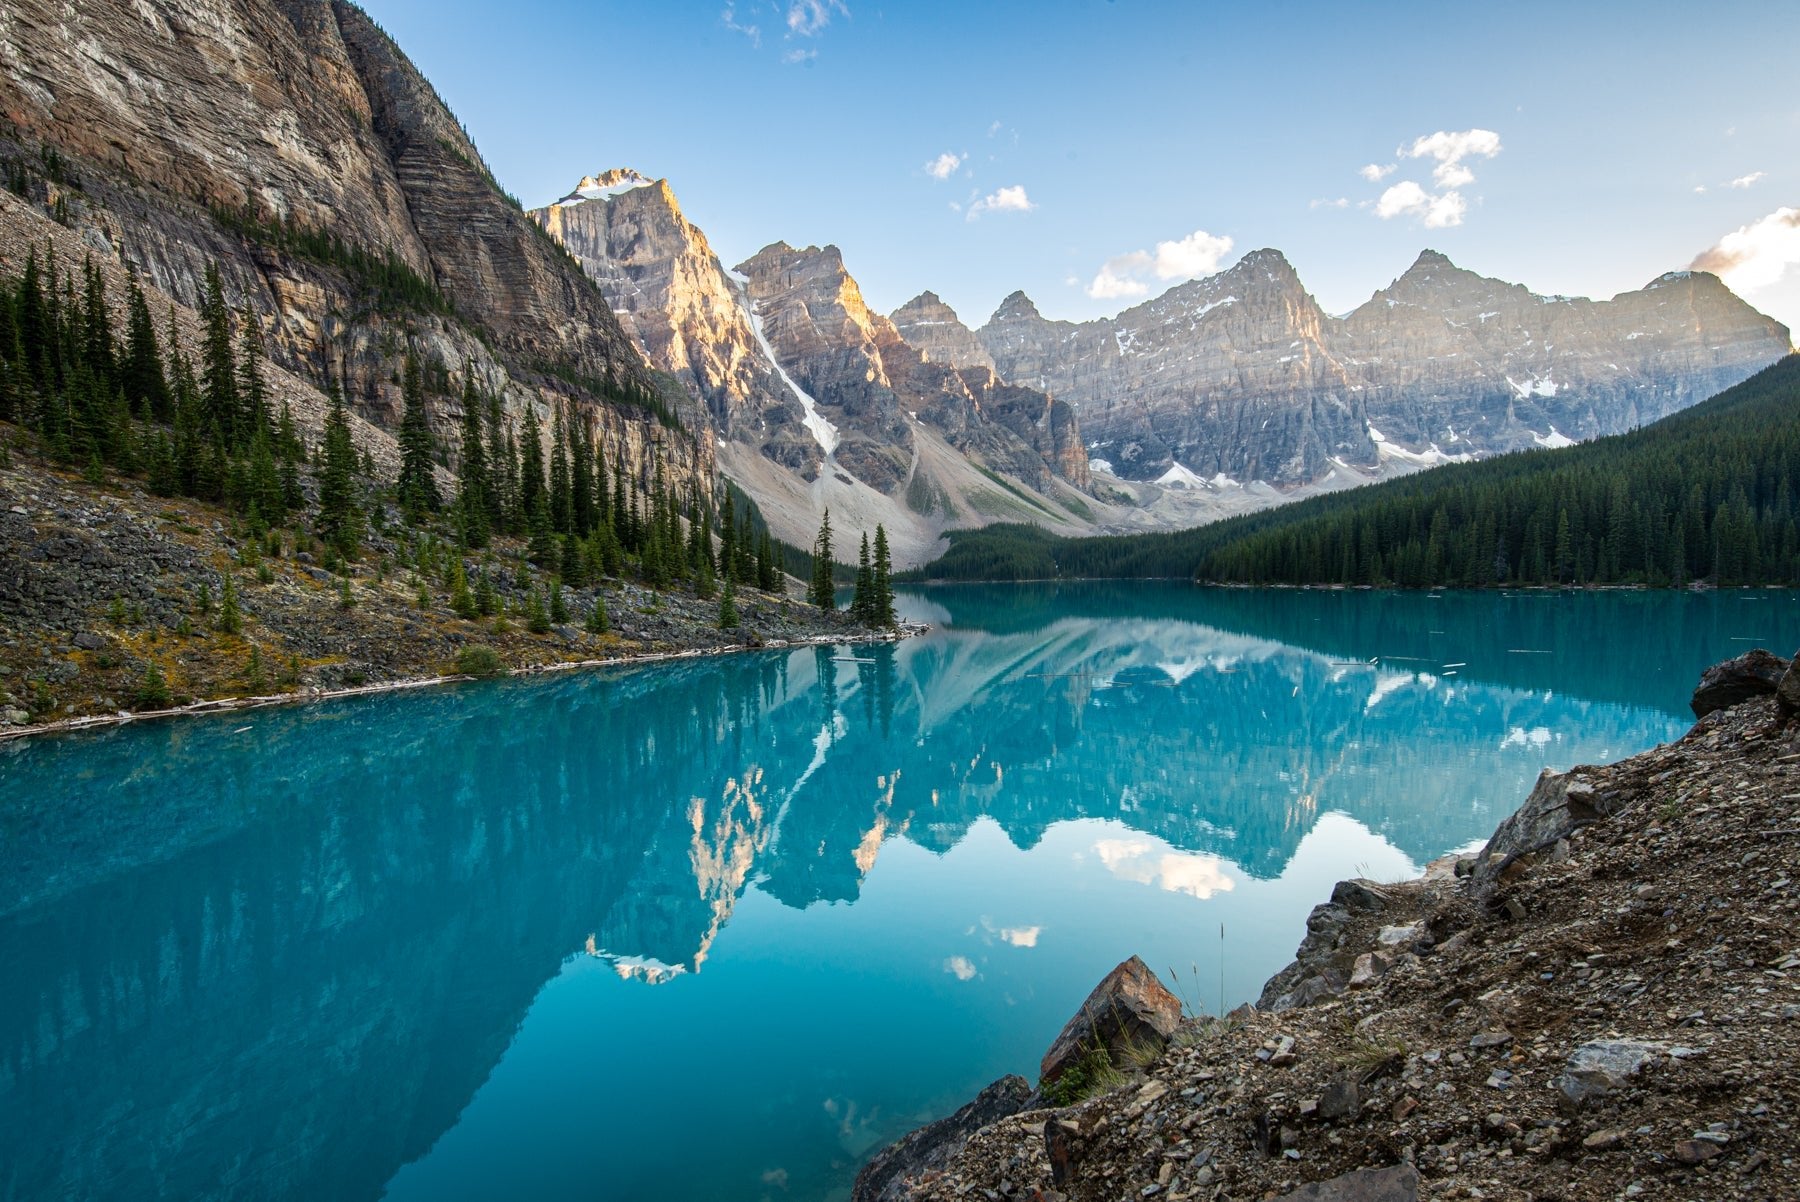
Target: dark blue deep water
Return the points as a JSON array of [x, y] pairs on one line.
[[714, 930]]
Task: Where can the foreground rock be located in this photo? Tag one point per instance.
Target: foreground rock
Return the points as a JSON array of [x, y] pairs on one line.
[[1605, 1003], [931, 1147], [1129, 1013], [1754, 674]]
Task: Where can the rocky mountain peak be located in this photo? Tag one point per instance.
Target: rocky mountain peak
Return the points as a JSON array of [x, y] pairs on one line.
[[932, 326], [607, 185], [1016, 307]]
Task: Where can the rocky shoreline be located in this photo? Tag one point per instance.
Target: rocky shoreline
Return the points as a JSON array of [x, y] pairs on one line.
[[1603, 1003]]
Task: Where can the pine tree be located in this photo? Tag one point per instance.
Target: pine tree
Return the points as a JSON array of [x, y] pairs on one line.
[[537, 617], [340, 517], [862, 599], [142, 372], [254, 419], [231, 619], [562, 508], [883, 611], [821, 593], [728, 613], [462, 601], [597, 622], [487, 602], [218, 391], [472, 499], [416, 488], [559, 609]]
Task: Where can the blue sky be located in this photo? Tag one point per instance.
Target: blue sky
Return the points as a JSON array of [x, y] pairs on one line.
[[1094, 152]]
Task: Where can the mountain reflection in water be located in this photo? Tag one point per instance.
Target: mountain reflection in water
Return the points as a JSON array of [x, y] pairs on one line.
[[550, 936]]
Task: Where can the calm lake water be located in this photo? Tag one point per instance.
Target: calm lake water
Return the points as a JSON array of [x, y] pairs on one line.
[[715, 930]]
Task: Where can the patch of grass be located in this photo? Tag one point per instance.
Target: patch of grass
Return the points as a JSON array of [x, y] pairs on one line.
[[1093, 1074], [1366, 1051]]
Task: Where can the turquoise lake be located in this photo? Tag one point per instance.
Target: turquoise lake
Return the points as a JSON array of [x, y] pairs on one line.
[[716, 929]]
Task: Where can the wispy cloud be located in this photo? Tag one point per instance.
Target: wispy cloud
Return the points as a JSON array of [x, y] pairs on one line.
[[1338, 202], [994, 128], [1443, 204], [799, 56], [753, 32], [945, 165], [1746, 181], [806, 18], [1127, 275], [1756, 255], [1005, 200]]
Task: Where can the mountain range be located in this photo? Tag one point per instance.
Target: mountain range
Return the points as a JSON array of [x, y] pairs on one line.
[[352, 219], [1225, 394]]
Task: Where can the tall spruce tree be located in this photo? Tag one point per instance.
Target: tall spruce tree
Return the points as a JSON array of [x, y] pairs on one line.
[[340, 521], [883, 582], [472, 496], [862, 598], [416, 488], [821, 593], [218, 368]]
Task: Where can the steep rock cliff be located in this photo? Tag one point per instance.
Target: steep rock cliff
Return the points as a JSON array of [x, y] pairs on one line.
[[251, 133]]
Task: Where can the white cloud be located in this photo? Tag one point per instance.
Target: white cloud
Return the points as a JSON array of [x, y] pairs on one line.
[[1408, 199], [1341, 202], [1116, 279], [1452, 175], [1006, 200], [960, 968], [1700, 189], [799, 56], [1197, 254], [945, 165], [1122, 276], [1021, 936], [808, 17], [753, 32], [1451, 148], [994, 128], [1444, 206], [1139, 859], [1375, 172], [1756, 255], [1745, 181]]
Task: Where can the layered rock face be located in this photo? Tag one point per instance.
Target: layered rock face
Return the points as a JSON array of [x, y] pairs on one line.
[[932, 326], [788, 358], [1241, 376], [870, 380], [196, 132], [669, 291]]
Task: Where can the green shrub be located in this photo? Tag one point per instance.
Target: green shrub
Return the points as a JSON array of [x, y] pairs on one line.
[[476, 660]]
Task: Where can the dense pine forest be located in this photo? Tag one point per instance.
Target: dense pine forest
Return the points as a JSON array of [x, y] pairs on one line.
[[1709, 494], [129, 402]]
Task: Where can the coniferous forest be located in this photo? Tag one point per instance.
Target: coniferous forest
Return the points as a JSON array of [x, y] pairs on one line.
[[1709, 494], [129, 402]]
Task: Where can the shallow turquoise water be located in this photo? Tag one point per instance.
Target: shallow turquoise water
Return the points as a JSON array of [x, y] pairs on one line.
[[714, 930]]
